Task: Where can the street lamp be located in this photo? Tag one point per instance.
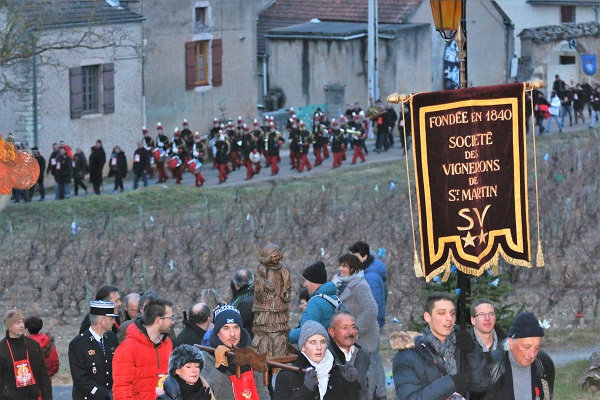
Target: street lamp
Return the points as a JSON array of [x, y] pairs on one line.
[[449, 17]]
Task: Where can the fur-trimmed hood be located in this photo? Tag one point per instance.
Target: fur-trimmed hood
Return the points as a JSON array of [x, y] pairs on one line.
[[402, 340]]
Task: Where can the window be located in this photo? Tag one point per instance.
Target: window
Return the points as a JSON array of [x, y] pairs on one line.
[[566, 60], [199, 56], [567, 14], [92, 90], [200, 17], [89, 86]]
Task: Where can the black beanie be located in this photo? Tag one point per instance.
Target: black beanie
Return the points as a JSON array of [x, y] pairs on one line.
[[184, 354], [524, 326], [315, 273]]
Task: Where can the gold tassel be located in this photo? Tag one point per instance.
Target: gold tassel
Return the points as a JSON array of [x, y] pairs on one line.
[[446, 275], [417, 263], [495, 269], [539, 257]]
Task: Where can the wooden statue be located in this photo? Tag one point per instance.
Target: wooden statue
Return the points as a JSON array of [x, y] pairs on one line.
[[272, 296]]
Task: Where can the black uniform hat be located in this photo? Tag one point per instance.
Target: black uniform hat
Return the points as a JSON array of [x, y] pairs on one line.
[[104, 308]]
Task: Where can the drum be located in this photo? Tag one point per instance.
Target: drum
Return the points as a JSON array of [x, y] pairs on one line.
[[174, 162], [255, 156], [159, 155], [194, 166], [211, 145]]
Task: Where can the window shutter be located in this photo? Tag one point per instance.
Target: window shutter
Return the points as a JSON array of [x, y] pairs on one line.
[[190, 65], [217, 62], [76, 89], [108, 82]]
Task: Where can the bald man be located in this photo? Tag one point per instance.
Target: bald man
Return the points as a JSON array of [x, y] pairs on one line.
[[195, 326]]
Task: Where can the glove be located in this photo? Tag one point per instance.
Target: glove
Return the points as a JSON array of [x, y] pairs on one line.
[[462, 381], [349, 372], [465, 342], [310, 379]]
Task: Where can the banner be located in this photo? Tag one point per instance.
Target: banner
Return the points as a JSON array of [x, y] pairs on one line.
[[471, 178], [588, 63]]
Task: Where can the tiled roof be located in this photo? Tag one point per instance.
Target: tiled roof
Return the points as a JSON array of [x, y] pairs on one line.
[[545, 34], [56, 13], [292, 12]]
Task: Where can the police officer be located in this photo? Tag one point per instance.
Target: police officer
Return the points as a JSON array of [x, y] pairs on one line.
[[91, 354]]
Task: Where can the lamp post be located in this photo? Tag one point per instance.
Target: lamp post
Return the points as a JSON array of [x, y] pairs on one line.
[[449, 17], [450, 21]]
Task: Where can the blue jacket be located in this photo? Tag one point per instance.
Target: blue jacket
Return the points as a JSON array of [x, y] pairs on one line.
[[376, 275], [318, 309]]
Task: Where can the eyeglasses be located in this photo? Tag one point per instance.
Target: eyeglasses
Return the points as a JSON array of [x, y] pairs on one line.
[[172, 318], [485, 315]]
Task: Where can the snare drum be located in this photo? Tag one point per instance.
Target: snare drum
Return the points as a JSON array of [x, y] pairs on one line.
[[159, 155], [174, 162], [194, 166]]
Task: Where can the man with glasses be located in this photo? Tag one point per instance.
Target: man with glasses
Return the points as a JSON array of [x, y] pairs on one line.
[[131, 306], [91, 354], [141, 362], [484, 331]]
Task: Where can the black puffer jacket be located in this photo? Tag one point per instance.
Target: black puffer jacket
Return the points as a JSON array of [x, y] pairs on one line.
[[290, 386], [501, 386]]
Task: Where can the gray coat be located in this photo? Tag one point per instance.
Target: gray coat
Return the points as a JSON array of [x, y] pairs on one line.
[[358, 299]]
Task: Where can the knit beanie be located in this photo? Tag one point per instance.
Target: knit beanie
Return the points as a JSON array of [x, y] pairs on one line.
[[11, 317], [315, 273], [184, 354], [226, 315], [524, 326], [310, 328]]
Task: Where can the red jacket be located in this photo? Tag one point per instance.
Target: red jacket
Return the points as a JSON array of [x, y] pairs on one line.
[[49, 351], [138, 363]]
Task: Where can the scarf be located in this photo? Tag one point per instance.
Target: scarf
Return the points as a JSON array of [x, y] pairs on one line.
[[322, 369], [445, 349], [342, 281]]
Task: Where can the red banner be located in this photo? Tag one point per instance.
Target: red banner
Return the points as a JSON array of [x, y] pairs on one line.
[[471, 178]]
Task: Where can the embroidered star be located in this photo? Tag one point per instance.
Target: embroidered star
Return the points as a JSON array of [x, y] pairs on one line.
[[469, 240], [482, 236]]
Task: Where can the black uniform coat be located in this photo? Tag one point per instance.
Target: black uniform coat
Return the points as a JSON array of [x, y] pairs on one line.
[[91, 367], [290, 385]]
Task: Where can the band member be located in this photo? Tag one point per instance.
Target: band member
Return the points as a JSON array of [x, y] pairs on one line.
[[222, 156], [318, 139], [234, 142], [273, 143], [149, 146], [304, 141], [357, 129], [326, 124], [198, 151], [337, 143], [187, 135], [179, 156], [259, 137], [214, 131], [249, 152], [162, 142], [294, 142]]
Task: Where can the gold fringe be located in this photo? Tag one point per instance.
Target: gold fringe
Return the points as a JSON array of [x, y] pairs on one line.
[[418, 267], [446, 274], [539, 257]]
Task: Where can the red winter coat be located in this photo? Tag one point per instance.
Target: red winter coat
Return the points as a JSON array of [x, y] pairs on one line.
[[138, 362], [49, 351]]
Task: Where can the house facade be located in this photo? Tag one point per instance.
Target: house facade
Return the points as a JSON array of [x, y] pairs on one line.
[[84, 84]]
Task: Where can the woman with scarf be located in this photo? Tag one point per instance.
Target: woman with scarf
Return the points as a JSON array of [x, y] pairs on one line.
[[184, 381], [355, 294], [323, 380]]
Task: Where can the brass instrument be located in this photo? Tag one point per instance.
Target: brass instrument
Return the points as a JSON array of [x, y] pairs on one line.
[[373, 112]]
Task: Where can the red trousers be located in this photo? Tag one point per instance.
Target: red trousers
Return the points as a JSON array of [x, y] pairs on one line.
[[304, 163], [358, 153], [326, 150], [222, 172], [273, 160], [162, 173], [234, 158], [337, 159], [177, 173], [318, 158], [295, 158], [249, 169], [200, 179]]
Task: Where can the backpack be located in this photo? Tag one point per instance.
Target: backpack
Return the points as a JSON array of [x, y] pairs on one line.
[[336, 303]]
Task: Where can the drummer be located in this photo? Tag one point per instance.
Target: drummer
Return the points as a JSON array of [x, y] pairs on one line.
[[250, 152], [198, 152], [162, 143]]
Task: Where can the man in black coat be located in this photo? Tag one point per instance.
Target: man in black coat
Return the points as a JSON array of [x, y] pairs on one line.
[[63, 172], [195, 327], [91, 354], [484, 331], [23, 372], [40, 182], [141, 165]]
